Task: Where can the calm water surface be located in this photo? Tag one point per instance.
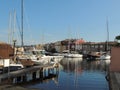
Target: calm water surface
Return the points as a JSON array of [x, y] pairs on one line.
[[77, 74]]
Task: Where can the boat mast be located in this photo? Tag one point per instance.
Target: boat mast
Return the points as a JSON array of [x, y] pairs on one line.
[[9, 30], [69, 39], [14, 26], [107, 33], [22, 23]]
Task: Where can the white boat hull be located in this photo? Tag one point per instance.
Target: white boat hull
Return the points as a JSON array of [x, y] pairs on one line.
[[105, 57], [74, 55], [48, 60]]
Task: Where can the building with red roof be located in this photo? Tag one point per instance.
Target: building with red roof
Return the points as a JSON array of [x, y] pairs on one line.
[[80, 41]]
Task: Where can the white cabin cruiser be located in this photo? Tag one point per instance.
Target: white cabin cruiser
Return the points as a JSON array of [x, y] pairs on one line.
[[39, 57]]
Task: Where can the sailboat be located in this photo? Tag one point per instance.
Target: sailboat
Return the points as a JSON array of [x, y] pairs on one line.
[[20, 56], [106, 56], [72, 55], [10, 63]]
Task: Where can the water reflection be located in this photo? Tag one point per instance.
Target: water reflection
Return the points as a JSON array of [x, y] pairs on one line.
[[72, 74], [71, 64], [84, 74], [75, 64], [78, 74], [97, 65]]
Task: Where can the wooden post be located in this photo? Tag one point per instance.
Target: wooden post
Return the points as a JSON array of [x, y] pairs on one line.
[[48, 71], [52, 70], [24, 78], [57, 70], [41, 74], [34, 76], [14, 80], [44, 72], [19, 79]]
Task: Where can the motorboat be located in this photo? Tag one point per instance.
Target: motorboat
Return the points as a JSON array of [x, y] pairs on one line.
[[105, 57], [70, 55], [39, 57], [16, 66]]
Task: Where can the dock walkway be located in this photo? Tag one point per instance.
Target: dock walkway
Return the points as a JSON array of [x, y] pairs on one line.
[[26, 70], [114, 80]]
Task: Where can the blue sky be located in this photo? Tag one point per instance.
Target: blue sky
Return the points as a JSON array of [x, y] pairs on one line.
[[55, 20]]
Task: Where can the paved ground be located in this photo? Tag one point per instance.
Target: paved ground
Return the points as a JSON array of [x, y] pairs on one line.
[[10, 87], [114, 80]]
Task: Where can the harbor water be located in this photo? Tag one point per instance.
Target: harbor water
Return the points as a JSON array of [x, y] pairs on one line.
[[76, 74]]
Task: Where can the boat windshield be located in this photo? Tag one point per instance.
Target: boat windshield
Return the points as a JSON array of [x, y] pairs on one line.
[[38, 52]]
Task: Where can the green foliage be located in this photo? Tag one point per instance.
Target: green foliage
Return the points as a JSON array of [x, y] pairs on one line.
[[117, 37], [117, 44]]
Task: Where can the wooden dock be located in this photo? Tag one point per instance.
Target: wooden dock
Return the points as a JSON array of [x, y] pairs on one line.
[[114, 80], [22, 73]]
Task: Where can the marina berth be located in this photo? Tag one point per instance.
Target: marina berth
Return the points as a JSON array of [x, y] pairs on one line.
[[34, 64], [39, 57], [59, 45], [69, 54]]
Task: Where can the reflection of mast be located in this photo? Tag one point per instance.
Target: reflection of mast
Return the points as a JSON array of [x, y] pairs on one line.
[[22, 23], [76, 73]]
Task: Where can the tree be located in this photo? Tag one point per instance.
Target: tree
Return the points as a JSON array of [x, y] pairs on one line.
[[117, 37], [118, 40]]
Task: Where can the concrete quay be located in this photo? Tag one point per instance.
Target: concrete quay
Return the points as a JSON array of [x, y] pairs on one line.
[[114, 69], [114, 80]]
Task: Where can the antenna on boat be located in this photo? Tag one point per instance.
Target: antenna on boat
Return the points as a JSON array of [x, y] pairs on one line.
[[22, 23]]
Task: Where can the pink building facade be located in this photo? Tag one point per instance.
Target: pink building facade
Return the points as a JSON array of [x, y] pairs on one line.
[[115, 59]]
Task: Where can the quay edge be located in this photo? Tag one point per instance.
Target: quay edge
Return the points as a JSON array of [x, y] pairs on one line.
[[114, 69], [114, 80]]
